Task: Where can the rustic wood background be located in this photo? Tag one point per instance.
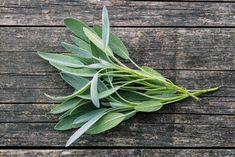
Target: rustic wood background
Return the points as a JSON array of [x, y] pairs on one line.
[[192, 42]]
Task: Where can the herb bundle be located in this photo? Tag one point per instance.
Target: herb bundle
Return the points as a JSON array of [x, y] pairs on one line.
[[107, 92]]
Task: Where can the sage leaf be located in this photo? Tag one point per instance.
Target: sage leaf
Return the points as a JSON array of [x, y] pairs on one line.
[[61, 59], [66, 123], [66, 105], [115, 43], [84, 72], [105, 27], [84, 128], [129, 114], [94, 90], [72, 95], [81, 43], [76, 50], [149, 106], [108, 121], [85, 117], [101, 94], [76, 82], [151, 71], [76, 27], [94, 38]]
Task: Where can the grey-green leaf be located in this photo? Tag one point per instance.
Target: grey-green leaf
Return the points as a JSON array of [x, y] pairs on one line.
[[81, 43], [87, 116], [76, 27], [65, 105], [94, 90], [76, 50], [84, 128], [76, 82], [72, 95], [151, 71], [115, 43], [94, 38], [105, 27], [61, 59], [149, 106], [105, 123], [101, 95], [66, 123], [84, 72]]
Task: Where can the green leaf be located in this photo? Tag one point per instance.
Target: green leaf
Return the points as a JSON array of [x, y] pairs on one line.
[[129, 114], [149, 106], [61, 59], [98, 53], [66, 123], [105, 27], [101, 94], [66, 105], [87, 116], [76, 82], [76, 50], [94, 38], [94, 90], [76, 27], [84, 128], [72, 95], [81, 43], [84, 72], [105, 123], [115, 43], [151, 71]]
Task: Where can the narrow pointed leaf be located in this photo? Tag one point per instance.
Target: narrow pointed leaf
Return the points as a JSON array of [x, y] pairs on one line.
[[94, 38], [151, 71], [129, 114], [115, 43], [76, 50], [94, 90], [76, 27], [101, 95], [87, 116], [81, 43], [149, 106], [66, 123], [84, 128], [76, 82], [84, 72], [72, 95], [66, 105], [105, 27], [61, 59], [107, 122]]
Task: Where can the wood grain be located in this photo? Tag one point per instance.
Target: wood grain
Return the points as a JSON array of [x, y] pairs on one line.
[[162, 48], [118, 152], [152, 130], [137, 13]]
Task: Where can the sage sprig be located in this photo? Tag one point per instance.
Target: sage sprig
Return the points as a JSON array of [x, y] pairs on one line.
[[106, 91]]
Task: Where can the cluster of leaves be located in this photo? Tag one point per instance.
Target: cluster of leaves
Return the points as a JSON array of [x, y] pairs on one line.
[[107, 92]]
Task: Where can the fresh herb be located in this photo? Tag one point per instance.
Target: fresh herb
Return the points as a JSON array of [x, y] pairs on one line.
[[107, 91]]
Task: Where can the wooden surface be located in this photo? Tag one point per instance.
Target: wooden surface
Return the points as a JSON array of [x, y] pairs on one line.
[[190, 42]]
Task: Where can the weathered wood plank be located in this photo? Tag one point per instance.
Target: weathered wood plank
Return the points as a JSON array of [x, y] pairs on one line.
[[40, 112], [162, 48], [30, 88], [122, 13], [118, 152], [152, 130]]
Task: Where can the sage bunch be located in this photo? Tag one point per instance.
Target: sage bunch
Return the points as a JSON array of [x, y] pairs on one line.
[[106, 91]]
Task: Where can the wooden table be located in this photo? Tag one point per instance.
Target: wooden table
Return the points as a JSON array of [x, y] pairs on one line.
[[192, 43]]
